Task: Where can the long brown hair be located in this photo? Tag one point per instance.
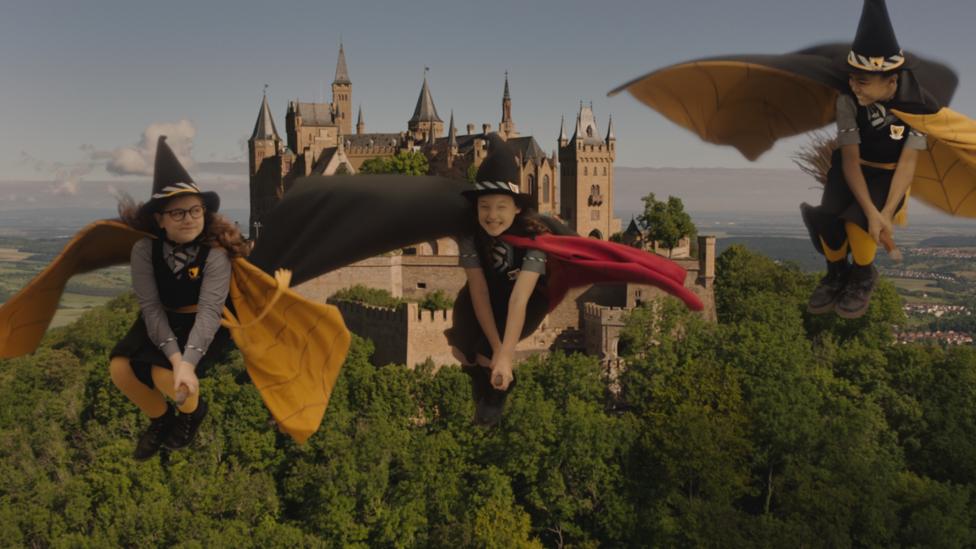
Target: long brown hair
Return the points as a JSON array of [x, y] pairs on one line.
[[218, 231]]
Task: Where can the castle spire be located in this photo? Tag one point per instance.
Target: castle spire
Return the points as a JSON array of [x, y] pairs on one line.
[[610, 136], [342, 73], [264, 128], [452, 134], [578, 132], [507, 126], [360, 125], [562, 129], [425, 111]]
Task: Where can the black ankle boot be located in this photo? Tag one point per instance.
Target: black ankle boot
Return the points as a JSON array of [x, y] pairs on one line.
[[854, 300], [825, 296], [185, 427], [154, 435]]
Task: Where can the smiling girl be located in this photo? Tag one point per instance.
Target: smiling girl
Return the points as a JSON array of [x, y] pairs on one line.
[[181, 280]]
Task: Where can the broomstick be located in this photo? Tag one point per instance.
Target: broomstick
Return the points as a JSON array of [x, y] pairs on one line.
[[814, 160]]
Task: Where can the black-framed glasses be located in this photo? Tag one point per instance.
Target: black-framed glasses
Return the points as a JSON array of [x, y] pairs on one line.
[[177, 214]]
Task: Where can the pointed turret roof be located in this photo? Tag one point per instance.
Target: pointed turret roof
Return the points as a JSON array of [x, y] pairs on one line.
[[342, 73], [452, 133], [610, 136], [425, 111], [562, 128], [264, 128], [633, 228], [506, 94], [359, 117], [586, 126]]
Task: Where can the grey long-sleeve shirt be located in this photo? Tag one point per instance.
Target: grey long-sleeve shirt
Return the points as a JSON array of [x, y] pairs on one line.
[[213, 294]]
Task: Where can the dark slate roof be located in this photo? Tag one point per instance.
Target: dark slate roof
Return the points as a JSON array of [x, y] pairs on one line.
[[425, 111], [315, 114], [633, 228], [324, 160], [527, 148], [342, 73], [264, 128]]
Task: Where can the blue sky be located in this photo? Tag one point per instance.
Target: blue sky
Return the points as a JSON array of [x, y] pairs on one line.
[[82, 79]]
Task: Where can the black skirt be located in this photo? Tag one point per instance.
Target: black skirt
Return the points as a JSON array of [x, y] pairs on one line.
[[143, 353], [466, 334], [838, 204]]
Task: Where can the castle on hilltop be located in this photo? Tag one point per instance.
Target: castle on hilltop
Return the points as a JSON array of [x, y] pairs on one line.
[[574, 182]]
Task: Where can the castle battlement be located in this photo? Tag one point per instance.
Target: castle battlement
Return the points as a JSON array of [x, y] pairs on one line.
[[374, 150], [593, 312], [372, 313], [426, 316]]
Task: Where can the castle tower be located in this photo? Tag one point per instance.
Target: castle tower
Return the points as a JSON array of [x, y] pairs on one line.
[[342, 95], [293, 126], [507, 125], [425, 120], [267, 164], [360, 125], [586, 177], [264, 142]]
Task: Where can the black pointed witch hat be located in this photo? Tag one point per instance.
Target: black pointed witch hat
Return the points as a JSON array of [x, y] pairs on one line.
[[875, 48], [499, 174], [171, 179]]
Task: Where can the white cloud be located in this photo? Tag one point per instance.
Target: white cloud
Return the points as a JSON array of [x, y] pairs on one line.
[[139, 159]]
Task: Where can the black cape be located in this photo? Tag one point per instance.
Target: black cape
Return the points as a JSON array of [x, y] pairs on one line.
[[324, 223]]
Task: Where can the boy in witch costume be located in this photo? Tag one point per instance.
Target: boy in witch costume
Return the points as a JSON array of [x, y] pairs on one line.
[[893, 132], [181, 279], [870, 173], [195, 292]]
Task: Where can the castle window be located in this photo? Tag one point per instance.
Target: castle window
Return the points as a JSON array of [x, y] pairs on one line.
[[589, 131], [604, 170], [545, 188], [533, 190], [586, 171], [422, 285]]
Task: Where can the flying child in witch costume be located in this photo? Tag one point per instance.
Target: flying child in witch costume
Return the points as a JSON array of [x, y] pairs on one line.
[[185, 262], [503, 301], [893, 134], [519, 264], [181, 278]]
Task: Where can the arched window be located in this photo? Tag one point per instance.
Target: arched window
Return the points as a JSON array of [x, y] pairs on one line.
[[533, 190], [604, 170], [545, 189], [589, 131], [586, 171]]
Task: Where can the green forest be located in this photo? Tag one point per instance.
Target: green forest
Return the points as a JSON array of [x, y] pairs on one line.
[[769, 428]]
